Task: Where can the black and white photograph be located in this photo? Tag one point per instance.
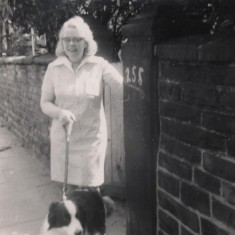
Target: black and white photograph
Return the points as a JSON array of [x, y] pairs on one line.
[[117, 117]]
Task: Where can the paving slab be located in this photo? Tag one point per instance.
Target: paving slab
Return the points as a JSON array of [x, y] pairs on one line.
[[27, 184], [27, 228], [8, 137]]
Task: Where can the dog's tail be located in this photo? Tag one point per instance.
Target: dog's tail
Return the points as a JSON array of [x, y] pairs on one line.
[[109, 205]]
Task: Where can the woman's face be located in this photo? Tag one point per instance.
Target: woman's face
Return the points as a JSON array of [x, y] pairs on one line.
[[74, 45]]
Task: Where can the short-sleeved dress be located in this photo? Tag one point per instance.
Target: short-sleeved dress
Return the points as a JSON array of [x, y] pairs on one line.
[[81, 92]]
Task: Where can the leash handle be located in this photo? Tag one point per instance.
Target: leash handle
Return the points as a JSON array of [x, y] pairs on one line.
[[68, 129]]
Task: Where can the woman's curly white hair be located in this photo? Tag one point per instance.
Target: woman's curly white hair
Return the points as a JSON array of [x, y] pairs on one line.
[[85, 32]]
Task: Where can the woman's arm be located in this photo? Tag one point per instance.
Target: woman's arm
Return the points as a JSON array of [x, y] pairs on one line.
[[112, 77], [47, 105], [47, 101], [51, 110]]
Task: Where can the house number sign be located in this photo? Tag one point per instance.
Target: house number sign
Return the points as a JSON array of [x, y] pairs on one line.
[[134, 75]]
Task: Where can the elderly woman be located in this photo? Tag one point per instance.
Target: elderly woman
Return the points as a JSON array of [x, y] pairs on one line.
[[72, 91]]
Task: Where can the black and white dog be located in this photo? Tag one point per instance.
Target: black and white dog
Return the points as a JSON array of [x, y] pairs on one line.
[[82, 213]]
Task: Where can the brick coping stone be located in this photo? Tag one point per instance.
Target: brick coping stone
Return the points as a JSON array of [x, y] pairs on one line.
[[37, 59], [204, 48]]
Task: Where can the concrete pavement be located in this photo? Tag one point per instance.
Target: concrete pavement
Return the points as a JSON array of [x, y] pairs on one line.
[[26, 191]]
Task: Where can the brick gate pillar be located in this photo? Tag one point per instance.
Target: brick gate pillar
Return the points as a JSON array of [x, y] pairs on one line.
[[140, 123]]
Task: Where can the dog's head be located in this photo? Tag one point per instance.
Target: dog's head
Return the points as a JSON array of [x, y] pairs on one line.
[[83, 213], [63, 219]]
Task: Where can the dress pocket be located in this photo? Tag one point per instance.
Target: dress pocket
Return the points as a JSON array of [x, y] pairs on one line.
[[92, 86]]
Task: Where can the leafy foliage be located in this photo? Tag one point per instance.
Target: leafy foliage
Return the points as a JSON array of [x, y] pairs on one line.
[[189, 17], [220, 14], [47, 16], [217, 14]]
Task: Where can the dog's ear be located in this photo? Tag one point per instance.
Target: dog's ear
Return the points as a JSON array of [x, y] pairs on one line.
[[53, 206], [58, 215], [52, 213], [81, 216]]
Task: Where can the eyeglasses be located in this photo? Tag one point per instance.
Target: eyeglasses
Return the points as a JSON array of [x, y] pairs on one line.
[[74, 40]]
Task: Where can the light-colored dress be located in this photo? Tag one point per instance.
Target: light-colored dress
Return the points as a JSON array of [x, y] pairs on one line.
[[81, 92]]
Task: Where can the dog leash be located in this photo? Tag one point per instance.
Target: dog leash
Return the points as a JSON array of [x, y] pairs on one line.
[[68, 130]]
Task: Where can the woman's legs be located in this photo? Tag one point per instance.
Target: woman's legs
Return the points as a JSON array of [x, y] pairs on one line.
[[71, 188]]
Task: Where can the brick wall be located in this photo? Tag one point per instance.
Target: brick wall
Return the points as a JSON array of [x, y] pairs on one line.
[[20, 91], [196, 160]]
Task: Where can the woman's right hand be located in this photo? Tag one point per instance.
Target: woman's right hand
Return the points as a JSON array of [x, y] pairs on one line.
[[66, 116]]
